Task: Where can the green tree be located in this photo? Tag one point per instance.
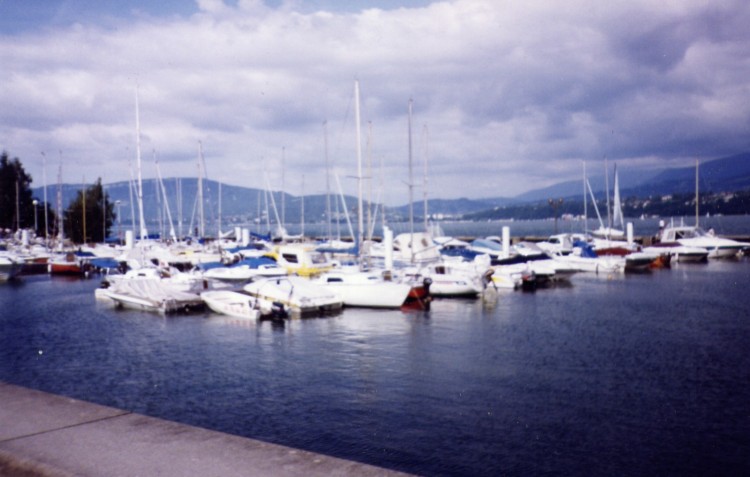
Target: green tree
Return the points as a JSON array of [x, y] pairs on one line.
[[16, 202], [98, 217]]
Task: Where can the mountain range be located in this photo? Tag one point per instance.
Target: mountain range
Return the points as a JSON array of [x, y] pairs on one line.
[[242, 204]]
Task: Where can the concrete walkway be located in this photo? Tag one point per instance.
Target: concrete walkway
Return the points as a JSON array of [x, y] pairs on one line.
[[43, 434]]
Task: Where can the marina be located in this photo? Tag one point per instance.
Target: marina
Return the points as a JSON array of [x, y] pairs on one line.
[[507, 251], [599, 373]]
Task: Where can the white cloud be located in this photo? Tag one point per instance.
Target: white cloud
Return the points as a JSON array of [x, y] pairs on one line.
[[514, 95]]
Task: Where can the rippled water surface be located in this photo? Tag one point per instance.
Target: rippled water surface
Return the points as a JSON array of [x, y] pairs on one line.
[[645, 374]]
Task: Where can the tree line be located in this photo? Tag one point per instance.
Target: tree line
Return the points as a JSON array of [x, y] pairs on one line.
[[87, 218]]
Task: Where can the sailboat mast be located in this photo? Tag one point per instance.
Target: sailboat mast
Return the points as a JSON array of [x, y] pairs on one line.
[[360, 208], [200, 189], [46, 205], [60, 228], [143, 231], [697, 197], [369, 180], [606, 186], [411, 190], [381, 186], [18, 207], [424, 181], [132, 202], [283, 188], [328, 179], [585, 202], [83, 213], [178, 188]]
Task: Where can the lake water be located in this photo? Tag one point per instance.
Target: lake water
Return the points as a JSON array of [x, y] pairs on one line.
[[644, 374]]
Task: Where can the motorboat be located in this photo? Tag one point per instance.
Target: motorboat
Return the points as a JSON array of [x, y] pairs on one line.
[[246, 270], [299, 295], [364, 289], [301, 259], [585, 259], [241, 305], [512, 277], [694, 236], [453, 277], [679, 253], [150, 294], [168, 277]]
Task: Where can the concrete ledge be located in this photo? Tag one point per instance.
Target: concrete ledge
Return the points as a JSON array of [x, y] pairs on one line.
[[43, 434]]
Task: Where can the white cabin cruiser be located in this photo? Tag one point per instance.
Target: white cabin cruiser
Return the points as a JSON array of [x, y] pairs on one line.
[[364, 289], [694, 236]]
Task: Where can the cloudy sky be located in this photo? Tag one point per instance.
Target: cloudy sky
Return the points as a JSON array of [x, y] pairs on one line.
[[508, 96]]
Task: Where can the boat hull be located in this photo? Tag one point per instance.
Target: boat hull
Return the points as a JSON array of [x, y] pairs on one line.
[[231, 303]]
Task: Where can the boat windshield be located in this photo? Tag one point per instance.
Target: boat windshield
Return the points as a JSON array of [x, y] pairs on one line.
[[489, 244], [690, 233]]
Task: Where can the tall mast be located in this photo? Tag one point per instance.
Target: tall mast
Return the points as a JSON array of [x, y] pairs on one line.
[[178, 187], [585, 202], [606, 186], [46, 205], [328, 179], [18, 207], [104, 214], [302, 207], [200, 189], [426, 158], [143, 231], [60, 231], [132, 202], [697, 197], [83, 193], [411, 191], [219, 235], [360, 218], [381, 184], [283, 188], [369, 180]]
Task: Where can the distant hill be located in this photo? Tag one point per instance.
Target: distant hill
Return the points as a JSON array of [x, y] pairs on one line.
[[238, 204], [244, 204], [726, 174], [574, 189]]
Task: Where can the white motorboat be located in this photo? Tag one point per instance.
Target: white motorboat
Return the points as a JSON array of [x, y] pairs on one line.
[[693, 236], [150, 295], [168, 278], [246, 270], [679, 253], [585, 259], [456, 278], [240, 305], [298, 294], [511, 277], [301, 259], [364, 289]]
